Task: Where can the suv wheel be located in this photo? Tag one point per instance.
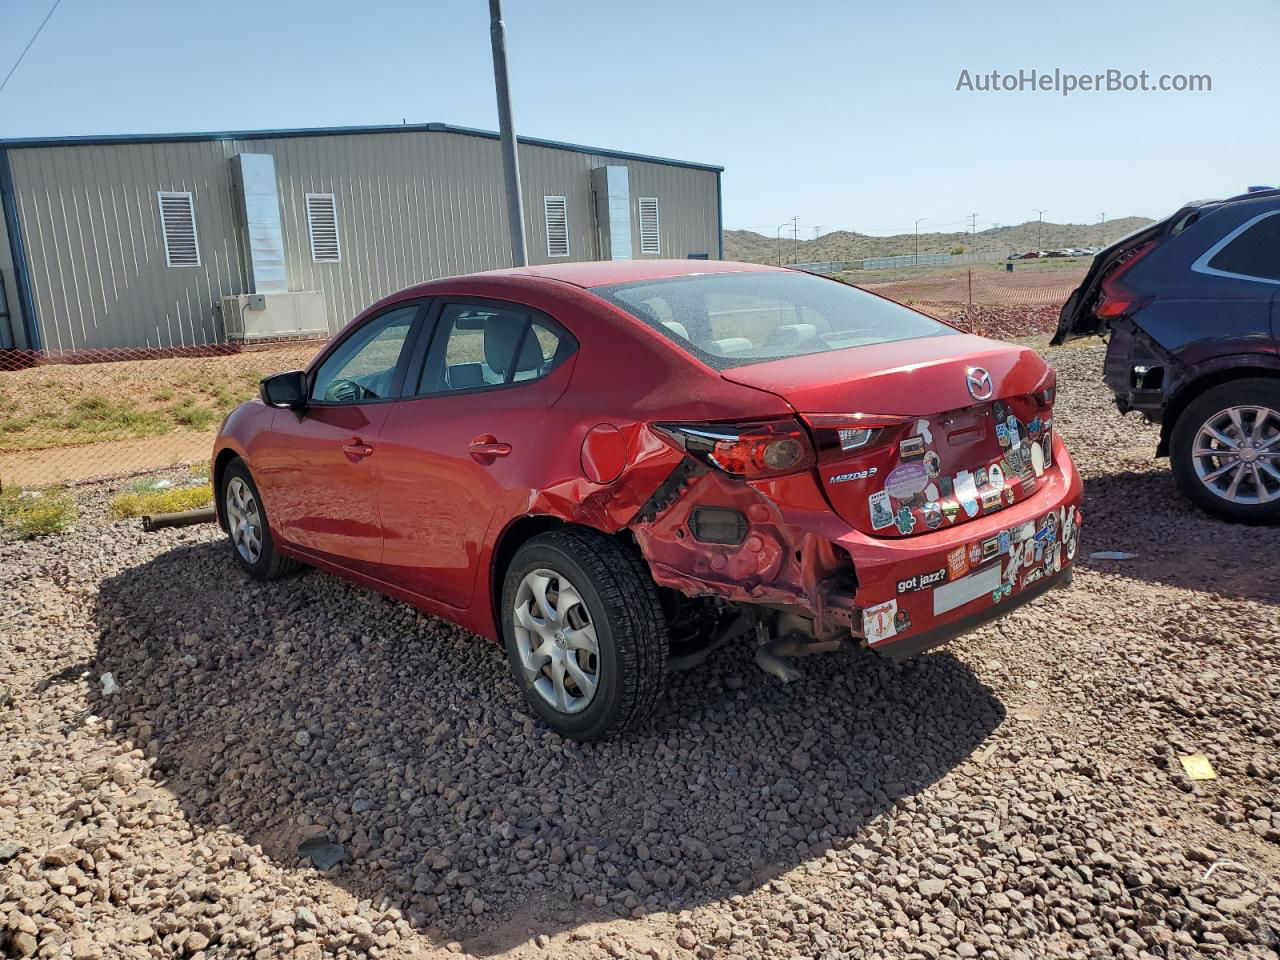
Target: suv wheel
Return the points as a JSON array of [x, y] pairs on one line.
[[584, 633], [1225, 451], [247, 528]]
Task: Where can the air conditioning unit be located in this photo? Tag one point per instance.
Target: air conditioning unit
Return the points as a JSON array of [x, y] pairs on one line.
[[272, 316]]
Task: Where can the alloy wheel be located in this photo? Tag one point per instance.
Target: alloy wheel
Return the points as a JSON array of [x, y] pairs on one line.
[[244, 520], [1236, 454], [556, 640]]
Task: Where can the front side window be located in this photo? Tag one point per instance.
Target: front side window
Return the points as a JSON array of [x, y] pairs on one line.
[[363, 366], [731, 319], [479, 346]]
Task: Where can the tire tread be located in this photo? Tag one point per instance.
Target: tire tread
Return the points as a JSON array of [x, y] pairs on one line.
[[637, 624]]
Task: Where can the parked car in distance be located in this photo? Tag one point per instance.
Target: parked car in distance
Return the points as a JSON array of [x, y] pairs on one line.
[[612, 468], [1191, 305]]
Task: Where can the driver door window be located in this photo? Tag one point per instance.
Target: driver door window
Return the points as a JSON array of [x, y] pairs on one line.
[[363, 367]]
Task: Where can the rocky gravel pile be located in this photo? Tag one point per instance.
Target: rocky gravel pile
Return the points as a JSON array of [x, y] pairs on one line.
[[197, 765]]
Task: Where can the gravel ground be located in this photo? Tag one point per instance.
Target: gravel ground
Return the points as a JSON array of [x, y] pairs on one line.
[[1017, 794]]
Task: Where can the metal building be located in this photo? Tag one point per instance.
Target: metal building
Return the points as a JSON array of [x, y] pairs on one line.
[[189, 239]]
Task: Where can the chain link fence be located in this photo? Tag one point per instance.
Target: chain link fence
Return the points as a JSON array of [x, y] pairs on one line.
[[72, 417]]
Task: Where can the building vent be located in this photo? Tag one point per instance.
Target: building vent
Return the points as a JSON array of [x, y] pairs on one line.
[[322, 225], [649, 238], [557, 215], [178, 222]]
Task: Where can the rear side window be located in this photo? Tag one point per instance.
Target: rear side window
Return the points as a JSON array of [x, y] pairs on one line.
[[1255, 252], [731, 319], [482, 346]]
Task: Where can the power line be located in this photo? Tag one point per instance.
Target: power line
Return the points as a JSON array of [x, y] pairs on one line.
[[29, 43]]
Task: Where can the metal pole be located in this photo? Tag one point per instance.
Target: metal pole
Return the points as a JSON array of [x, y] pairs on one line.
[[1102, 227], [1040, 231], [916, 259], [795, 240], [506, 128]]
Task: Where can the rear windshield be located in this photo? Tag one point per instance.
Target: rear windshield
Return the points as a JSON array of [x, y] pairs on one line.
[[731, 319]]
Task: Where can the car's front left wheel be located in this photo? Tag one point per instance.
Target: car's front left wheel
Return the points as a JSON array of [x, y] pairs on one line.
[[584, 632], [246, 524]]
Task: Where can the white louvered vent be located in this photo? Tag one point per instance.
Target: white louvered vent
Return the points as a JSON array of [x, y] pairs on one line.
[[556, 211], [322, 225], [178, 222], [649, 239]]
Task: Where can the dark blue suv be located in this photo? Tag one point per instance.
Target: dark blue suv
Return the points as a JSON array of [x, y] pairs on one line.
[[1192, 307]]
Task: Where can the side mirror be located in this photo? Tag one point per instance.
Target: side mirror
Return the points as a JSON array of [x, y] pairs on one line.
[[285, 390]]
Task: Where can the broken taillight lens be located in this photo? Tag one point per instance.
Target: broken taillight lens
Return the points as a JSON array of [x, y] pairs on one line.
[[1045, 394], [749, 451], [1118, 298], [840, 434]]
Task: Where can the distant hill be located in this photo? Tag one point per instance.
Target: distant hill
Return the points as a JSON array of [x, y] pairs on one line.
[[752, 247]]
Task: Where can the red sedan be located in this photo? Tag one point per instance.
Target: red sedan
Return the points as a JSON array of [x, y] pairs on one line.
[[613, 468]]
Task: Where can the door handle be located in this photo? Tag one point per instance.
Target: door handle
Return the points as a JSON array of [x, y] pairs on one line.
[[356, 448], [485, 448]]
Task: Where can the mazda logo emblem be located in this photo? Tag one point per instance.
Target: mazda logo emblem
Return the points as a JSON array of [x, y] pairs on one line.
[[980, 386]]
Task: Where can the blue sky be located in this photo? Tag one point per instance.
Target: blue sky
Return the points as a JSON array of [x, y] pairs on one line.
[[843, 114]]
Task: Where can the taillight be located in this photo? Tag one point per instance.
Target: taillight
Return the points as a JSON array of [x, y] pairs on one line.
[[838, 435], [1117, 297], [749, 451], [1045, 394]]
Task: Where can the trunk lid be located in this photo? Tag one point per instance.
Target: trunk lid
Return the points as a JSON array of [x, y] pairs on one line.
[[939, 454]]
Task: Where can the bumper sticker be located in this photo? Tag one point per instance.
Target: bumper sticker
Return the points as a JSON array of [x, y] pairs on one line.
[[881, 512], [906, 480], [967, 492], [878, 621], [906, 520], [923, 581]]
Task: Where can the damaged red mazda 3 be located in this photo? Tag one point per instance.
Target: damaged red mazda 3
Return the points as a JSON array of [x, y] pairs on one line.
[[615, 468]]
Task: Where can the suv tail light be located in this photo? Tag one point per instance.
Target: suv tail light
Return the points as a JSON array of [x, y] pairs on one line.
[[837, 435], [749, 451], [1117, 297]]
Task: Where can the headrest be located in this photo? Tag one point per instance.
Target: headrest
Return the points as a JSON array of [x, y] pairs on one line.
[[501, 331]]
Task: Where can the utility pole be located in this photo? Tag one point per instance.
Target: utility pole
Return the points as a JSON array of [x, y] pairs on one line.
[[506, 129], [916, 260], [816, 232], [1040, 230], [1102, 227], [973, 224], [795, 239]]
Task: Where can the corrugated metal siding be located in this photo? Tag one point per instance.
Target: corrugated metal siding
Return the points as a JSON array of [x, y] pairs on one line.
[[411, 207]]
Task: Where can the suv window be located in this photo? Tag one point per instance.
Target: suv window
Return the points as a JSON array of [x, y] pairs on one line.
[[481, 346], [363, 366], [1254, 253]]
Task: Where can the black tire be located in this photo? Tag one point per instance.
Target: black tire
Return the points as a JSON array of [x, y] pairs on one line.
[[270, 564], [622, 602], [1248, 391]]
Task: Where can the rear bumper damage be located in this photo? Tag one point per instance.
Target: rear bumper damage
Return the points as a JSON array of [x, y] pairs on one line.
[[796, 557]]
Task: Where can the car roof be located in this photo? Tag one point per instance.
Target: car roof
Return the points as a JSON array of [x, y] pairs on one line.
[[599, 273]]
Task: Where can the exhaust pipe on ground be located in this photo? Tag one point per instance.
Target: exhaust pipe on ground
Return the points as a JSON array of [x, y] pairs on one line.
[[185, 518]]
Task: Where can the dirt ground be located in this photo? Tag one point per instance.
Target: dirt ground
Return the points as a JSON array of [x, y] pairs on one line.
[[982, 286], [70, 422], [1017, 794]]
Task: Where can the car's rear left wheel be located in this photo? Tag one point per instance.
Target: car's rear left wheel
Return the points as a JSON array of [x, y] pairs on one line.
[[584, 633], [1225, 450]]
